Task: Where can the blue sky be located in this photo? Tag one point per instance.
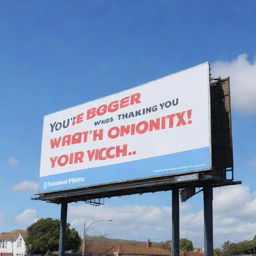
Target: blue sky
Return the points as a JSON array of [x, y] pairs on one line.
[[57, 54]]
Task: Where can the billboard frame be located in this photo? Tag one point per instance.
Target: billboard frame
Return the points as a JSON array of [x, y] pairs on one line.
[[207, 179], [217, 176]]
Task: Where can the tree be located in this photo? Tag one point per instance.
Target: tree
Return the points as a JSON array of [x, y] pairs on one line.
[[226, 248], [186, 245], [217, 252], [244, 247], [43, 237], [166, 244]]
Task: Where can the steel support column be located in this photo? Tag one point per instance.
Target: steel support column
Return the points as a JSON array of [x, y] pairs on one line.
[[175, 223], [208, 221], [63, 224]]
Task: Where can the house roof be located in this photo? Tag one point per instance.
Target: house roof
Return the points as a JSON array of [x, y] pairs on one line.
[[138, 250], [196, 252], [13, 234]]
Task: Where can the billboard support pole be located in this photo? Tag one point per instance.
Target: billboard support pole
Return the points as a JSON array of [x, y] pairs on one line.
[[175, 223], [208, 221], [63, 224]]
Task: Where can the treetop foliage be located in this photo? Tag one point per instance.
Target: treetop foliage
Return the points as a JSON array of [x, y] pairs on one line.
[[244, 247], [43, 237], [186, 245]]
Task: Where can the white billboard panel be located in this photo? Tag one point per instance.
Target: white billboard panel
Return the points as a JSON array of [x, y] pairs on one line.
[[158, 128]]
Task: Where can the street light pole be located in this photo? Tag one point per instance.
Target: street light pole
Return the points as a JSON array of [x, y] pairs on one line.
[[83, 238], [86, 229]]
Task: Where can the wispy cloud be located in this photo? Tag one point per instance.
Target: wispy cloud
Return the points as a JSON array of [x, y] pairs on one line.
[[26, 186], [129, 221], [243, 81], [13, 161], [27, 217]]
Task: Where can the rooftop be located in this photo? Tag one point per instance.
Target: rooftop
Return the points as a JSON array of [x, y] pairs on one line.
[[13, 234], [138, 250]]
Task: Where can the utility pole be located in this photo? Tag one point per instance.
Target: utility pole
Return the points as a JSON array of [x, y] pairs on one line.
[[85, 232], [84, 239]]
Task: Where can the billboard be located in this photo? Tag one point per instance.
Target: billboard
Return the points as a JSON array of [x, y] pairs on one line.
[[158, 128]]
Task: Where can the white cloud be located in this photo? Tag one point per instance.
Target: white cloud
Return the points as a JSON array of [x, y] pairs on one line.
[[129, 221], [26, 186], [237, 202], [27, 217], [13, 161], [131, 214], [227, 199], [234, 218], [243, 81]]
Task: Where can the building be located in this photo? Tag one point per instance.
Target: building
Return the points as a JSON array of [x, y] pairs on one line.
[[133, 250], [13, 243]]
